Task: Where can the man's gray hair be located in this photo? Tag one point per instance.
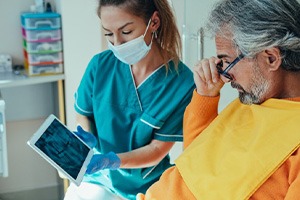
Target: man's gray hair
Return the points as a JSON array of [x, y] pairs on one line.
[[256, 25]]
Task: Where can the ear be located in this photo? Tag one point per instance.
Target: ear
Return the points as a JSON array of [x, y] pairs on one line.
[[273, 58], [155, 22]]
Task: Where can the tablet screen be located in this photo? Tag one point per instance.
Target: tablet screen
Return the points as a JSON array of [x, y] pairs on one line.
[[59, 146]]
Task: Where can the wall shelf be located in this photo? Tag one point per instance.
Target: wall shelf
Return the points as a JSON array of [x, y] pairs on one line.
[[10, 79], [24, 84]]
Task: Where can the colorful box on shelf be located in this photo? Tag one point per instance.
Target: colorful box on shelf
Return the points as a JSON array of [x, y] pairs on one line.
[[38, 70], [42, 43], [43, 59], [41, 35], [42, 47], [41, 21]]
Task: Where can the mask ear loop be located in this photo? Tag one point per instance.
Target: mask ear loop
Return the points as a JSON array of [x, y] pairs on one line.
[[147, 27], [147, 30], [155, 34]]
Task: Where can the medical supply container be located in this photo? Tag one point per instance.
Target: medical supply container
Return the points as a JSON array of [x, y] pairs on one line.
[[42, 43], [40, 21], [41, 35], [43, 58], [42, 47]]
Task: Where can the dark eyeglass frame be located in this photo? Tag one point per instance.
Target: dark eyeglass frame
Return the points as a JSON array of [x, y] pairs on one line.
[[225, 71]]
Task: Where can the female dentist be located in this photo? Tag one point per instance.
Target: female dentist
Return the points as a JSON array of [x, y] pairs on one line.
[[134, 95]]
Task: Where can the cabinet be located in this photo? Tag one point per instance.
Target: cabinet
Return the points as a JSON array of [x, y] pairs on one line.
[[27, 170], [42, 43]]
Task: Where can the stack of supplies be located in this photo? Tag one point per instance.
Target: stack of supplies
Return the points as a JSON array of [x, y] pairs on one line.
[[42, 43]]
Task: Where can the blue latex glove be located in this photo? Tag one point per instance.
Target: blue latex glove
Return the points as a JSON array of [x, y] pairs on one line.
[[87, 137], [103, 161]]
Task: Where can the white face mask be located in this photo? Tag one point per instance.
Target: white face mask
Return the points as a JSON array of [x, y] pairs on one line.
[[132, 51]]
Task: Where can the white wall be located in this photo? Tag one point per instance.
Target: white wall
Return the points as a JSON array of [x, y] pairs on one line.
[[81, 40]]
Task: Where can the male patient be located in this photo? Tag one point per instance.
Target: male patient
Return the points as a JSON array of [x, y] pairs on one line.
[[251, 149]]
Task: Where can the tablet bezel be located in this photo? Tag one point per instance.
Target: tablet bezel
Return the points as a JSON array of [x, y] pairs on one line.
[[41, 131]]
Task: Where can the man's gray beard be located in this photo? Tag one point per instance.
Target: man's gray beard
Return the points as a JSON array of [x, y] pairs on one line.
[[247, 98], [258, 88]]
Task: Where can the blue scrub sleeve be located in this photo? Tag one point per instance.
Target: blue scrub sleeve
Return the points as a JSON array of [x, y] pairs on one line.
[[84, 94]]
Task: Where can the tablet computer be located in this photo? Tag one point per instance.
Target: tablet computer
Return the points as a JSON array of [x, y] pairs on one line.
[[62, 149]]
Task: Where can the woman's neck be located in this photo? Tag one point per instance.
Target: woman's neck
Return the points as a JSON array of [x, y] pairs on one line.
[[147, 65]]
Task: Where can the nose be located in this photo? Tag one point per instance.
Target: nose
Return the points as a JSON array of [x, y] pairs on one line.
[[117, 41]]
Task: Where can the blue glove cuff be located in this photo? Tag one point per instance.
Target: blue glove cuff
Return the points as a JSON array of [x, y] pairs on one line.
[[115, 161], [103, 161]]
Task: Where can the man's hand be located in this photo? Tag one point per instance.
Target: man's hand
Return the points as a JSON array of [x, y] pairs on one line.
[[207, 78]]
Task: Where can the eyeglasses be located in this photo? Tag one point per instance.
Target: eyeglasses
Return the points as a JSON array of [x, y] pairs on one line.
[[225, 72]]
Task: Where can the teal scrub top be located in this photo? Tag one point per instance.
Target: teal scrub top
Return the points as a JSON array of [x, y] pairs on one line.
[[128, 117]]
